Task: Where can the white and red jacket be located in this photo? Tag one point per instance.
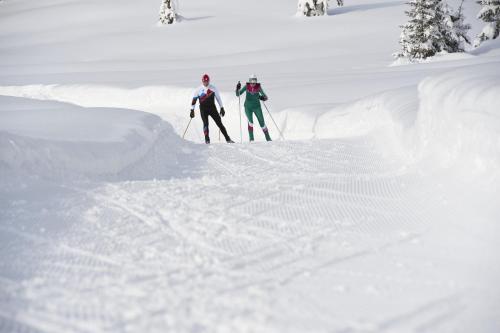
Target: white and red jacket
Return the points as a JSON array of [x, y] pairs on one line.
[[206, 96]]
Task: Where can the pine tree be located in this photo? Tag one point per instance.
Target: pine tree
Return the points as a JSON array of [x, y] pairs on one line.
[[489, 13], [168, 13], [447, 38], [313, 7], [431, 29], [460, 28], [417, 34]]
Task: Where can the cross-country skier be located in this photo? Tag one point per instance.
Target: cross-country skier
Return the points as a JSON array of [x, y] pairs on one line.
[[206, 94], [255, 94]]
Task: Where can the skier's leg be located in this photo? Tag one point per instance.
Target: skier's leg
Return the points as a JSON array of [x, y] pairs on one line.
[[262, 123], [204, 118], [215, 116], [249, 114]]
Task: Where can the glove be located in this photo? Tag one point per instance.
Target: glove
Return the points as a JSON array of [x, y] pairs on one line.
[[263, 98], [222, 112], [191, 114], [238, 86]]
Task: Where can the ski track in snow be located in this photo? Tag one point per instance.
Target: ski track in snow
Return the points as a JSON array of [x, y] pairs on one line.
[[245, 242]]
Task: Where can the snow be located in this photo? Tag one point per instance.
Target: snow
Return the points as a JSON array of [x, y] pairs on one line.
[[467, 128], [378, 213], [63, 141]]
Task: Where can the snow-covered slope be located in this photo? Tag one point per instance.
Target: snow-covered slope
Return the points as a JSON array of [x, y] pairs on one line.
[[63, 141], [377, 214]]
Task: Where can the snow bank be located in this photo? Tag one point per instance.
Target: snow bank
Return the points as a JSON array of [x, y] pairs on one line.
[[489, 48], [171, 103], [449, 120], [161, 100], [385, 118], [391, 112], [459, 119], [443, 56], [63, 141]]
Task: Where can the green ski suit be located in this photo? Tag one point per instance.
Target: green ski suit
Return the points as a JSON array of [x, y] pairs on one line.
[[252, 105]]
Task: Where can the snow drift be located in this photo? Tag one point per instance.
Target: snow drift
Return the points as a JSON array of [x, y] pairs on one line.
[[451, 119], [63, 141], [168, 102], [459, 118]]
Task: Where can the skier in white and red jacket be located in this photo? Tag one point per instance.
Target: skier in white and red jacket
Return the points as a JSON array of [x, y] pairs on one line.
[[206, 94]]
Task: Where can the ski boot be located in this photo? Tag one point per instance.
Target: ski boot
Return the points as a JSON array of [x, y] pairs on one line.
[[266, 133]]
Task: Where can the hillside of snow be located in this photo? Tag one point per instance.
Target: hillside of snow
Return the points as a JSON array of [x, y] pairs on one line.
[[377, 213]]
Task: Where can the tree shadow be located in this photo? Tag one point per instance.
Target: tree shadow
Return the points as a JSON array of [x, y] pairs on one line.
[[365, 7], [199, 18], [486, 47]]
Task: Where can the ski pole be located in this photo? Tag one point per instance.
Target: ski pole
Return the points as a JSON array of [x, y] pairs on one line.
[[281, 134], [187, 127], [239, 107]]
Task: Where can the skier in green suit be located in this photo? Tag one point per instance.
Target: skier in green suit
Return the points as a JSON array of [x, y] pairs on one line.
[[255, 94]]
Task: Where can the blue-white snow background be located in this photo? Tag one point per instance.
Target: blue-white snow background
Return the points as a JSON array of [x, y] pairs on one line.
[[379, 214]]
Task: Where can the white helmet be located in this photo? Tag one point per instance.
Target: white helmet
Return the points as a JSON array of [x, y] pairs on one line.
[[252, 78]]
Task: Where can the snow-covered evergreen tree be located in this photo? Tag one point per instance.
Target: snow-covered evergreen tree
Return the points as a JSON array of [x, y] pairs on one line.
[[460, 28], [168, 14], [448, 32], [431, 29], [489, 13], [340, 3], [417, 34], [313, 7]]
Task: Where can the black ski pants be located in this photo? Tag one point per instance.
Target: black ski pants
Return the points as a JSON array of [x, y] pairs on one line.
[[212, 112]]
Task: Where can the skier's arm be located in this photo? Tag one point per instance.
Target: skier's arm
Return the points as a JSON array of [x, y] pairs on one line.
[[193, 102], [195, 98], [262, 94], [217, 97], [242, 90]]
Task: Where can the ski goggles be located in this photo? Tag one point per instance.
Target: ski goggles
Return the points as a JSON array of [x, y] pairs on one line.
[[252, 81]]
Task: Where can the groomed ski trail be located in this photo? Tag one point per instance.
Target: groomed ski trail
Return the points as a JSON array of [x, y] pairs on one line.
[[261, 237]]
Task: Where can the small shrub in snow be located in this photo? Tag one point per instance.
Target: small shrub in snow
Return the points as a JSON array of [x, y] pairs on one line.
[[489, 13], [313, 7], [168, 14]]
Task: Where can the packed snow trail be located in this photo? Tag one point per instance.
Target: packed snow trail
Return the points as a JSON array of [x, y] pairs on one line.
[[324, 235]]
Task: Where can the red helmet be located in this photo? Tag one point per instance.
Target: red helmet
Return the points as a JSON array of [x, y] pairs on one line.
[[205, 78]]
